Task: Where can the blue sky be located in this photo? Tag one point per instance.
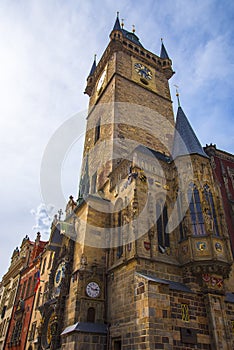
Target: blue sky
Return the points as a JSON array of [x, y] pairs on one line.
[[47, 49]]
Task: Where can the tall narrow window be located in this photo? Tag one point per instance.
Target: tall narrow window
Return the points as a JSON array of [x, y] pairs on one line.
[[180, 216], [161, 214], [196, 211], [211, 208], [120, 236], [97, 131]]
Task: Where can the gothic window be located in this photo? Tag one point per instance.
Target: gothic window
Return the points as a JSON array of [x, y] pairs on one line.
[[97, 131], [162, 220], [211, 208], [91, 315], [120, 235], [195, 211], [180, 217]]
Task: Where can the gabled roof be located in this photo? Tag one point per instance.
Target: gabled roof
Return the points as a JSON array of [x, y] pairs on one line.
[[185, 139], [163, 53]]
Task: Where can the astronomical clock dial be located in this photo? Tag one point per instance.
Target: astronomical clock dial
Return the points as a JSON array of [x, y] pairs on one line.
[[59, 274], [93, 289], [101, 80], [143, 71]]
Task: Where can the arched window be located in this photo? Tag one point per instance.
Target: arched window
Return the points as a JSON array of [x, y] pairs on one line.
[[97, 131], [120, 235], [211, 208], [161, 214], [196, 211], [91, 315], [180, 217]]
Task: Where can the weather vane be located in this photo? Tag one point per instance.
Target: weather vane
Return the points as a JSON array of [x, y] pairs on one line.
[[177, 94]]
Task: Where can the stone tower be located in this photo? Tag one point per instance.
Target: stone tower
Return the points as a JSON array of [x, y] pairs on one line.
[[152, 251]]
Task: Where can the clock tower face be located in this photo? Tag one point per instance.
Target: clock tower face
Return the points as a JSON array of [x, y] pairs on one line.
[[143, 71], [101, 81], [93, 289]]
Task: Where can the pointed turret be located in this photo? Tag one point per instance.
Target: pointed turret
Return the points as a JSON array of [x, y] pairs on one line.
[[90, 80], [94, 66], [166, 61], [163, 53], [117, 23], [185, 139]]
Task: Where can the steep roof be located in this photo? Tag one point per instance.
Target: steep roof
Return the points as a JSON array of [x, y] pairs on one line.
[[163, 53], [185, 139], [94, 66]]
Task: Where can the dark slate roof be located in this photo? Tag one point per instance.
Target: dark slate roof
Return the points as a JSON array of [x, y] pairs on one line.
[[117, 24], [86, 327], [230, 297], [150, 152], [172, 284], [93, 68], [185, 139], [131, 36], [163, 53]]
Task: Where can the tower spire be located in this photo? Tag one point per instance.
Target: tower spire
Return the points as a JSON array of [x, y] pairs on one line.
[[185, 139], [94, 66], [117, 23], [177, 94], [163, 53]]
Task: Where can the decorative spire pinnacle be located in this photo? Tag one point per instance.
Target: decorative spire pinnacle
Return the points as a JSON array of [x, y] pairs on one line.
[[163, 54], [117, 24], [122, 23], [94, 66], [133, 28], [177, 94]]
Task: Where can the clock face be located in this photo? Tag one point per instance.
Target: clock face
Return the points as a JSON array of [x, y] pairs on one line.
[[143, 71], [92, 289], [59, 274], [101, 80]]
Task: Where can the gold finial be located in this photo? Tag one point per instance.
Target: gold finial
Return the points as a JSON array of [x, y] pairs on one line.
[[122, 23], [133, 28], [177, 94]]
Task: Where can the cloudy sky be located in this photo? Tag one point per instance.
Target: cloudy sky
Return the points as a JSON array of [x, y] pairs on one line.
[[46, 51]]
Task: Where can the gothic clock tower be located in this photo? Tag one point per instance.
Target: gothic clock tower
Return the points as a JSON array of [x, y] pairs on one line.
[[151, 243]]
